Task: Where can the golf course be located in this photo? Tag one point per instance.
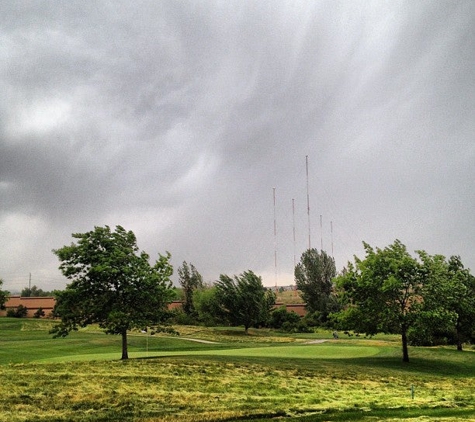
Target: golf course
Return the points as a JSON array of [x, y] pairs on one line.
[[220, 374]]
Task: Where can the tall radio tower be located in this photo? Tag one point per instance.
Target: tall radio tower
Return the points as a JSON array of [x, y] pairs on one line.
[[275, 245], [308, 204]]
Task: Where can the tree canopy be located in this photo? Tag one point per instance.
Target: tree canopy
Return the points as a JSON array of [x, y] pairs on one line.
[[190, 280], [426, 298], [3, 295], [244, 299], [449, 302], [207, 307], [112, 284], [313, 277], [34, 291], [383, 292]]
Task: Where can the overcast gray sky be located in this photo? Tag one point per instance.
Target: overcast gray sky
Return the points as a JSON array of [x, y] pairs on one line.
[[176, 119]]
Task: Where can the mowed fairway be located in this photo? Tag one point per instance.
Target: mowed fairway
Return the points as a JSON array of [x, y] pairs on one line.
[[261, 376]]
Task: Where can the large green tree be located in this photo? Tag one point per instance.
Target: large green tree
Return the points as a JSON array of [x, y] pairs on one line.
[[112, 284], [207, 307], [3, 295], [383, 292], [449, 301], [190, 280], [244, 299], [314, 279]]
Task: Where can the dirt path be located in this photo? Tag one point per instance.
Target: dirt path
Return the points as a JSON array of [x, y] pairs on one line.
[[197, 340]]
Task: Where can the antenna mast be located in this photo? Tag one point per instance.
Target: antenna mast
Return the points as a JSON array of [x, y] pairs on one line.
[[293, 225], [331, 231], [308, 204], [275, 245], [321, 232]]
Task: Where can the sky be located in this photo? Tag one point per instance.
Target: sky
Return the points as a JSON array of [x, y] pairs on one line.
[[180, 120]]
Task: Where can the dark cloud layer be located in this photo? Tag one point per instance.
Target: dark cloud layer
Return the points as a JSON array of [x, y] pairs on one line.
[[176, 120]]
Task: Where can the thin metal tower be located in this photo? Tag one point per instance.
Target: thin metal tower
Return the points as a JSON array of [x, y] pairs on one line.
[[308, 205], [321, 232], [331, 231], [275, 245], [293, 225]]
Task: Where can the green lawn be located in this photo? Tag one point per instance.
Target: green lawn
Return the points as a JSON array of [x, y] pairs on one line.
[[256, 377]]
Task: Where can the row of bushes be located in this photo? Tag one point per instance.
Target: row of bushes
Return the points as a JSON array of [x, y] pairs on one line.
[[280, 319], [22, 312]]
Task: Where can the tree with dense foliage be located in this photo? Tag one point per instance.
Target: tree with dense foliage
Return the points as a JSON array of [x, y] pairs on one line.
[[207, 307], [383, 292], [462, 301], [281, 319], [244, 299], [314, 279], [112, 284], [190, 280], [449, 302], [34, 292], [3, 295]]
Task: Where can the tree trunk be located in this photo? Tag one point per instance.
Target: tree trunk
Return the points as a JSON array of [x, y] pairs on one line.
[[125, 352], [459, 339], [405, 352]]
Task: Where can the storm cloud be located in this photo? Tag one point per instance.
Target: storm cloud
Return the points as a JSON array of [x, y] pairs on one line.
[[177, 119]]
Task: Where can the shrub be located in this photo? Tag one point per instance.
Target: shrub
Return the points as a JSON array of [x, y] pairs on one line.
[[281, 319], [20, 312], [280, 316], [313, 319], [39, 313], [181, 318], [207, 307]]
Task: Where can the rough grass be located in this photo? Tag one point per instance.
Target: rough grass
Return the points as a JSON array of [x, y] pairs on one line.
[[289, 297], [359, 380]]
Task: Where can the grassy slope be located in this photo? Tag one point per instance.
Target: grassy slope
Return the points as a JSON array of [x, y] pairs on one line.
[[260, 376], [289, 297]]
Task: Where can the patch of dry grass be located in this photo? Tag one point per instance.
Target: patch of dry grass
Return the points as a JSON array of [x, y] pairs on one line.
[[235, 335], [184, 389], [289, 297], [217, 387]]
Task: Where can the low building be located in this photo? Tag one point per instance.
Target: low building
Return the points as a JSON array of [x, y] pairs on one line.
[[31, 303], [47, 304]]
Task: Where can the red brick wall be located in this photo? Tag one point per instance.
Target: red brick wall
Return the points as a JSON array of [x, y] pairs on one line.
[[47, 304], [31, 303]]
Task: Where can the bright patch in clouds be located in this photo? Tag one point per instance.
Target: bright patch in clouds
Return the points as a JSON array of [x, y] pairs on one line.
[[41, 117]]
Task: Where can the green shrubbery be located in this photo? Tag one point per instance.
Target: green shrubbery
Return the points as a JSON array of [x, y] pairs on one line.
[[20, 312], [39, 313], [289, 322]]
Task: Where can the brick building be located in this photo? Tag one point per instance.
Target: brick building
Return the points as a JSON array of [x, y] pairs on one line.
[[47, 304]]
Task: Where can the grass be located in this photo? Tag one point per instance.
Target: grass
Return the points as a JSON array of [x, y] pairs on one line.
[[289, 297], [261, 376]]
